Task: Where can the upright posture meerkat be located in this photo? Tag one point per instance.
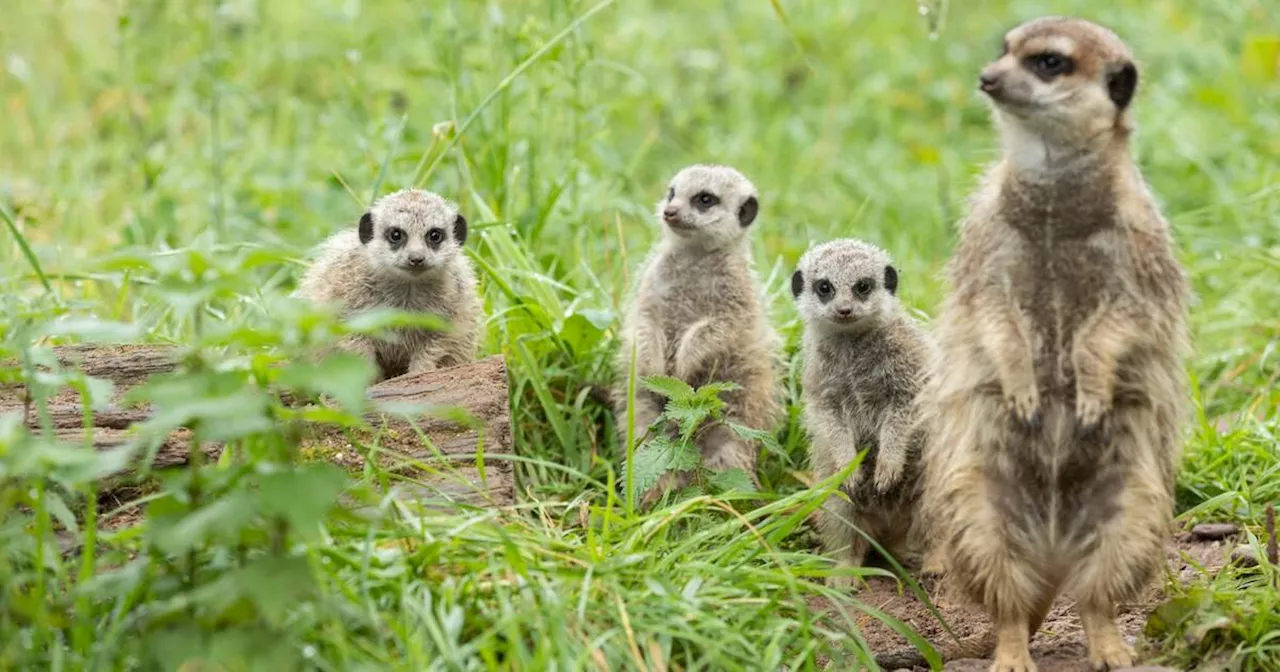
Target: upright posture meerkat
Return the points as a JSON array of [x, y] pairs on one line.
[[698, 315], [406, 253], [1059, 391], [864, 362]]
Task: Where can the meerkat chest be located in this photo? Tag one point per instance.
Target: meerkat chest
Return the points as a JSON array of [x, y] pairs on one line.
[[850, 382], [683, 293], [1061, 264]]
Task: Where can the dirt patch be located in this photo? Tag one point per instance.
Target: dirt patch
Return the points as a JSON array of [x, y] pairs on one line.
[[1058, 646]]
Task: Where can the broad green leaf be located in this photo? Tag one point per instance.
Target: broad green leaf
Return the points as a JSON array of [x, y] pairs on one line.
[[732, 479], [302, 495], [344, 376], [93, 330], [671, 388]]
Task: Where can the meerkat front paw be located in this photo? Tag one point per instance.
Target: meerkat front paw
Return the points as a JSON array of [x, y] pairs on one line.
[[1024, 406], [1090, 410], [888, 473]]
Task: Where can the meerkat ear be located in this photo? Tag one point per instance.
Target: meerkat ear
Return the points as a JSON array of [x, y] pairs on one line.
[[797, 283], [366, 228], [891, 279], [747, 213], [1121, 83], [460, 229]]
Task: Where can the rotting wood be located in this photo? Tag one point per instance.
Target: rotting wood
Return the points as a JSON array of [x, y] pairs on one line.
[[445, 464]]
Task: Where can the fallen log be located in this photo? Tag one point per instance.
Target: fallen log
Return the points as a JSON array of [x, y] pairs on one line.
[[450, 459]]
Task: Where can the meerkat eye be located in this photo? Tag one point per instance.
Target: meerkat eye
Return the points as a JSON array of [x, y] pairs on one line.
[[705, 199], [823, 288], [1050, 64], [863, 287], [435, 236], [671, 193], [395, 235]]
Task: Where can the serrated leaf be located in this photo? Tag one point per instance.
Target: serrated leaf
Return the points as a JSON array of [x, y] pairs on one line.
[[733, 479], [91, 329], [660, 455], [671, 388], [277, 585], [344, 376], [61, 512], [176, 533], [378, 319], [302, 495]]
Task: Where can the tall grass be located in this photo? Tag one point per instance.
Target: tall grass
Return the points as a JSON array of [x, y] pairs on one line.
[[167, 167]]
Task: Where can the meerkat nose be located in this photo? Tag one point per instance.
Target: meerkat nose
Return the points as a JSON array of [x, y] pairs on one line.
[[670, 213], [989, 81], [416, 259], [844, 312]]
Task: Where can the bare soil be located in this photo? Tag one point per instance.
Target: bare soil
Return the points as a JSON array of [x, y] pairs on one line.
[[1058, 646]]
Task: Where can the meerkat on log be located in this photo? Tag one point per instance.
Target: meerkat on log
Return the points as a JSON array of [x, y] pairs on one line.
[[697, 314], [864, 360], [1059, 392], [406, 253]]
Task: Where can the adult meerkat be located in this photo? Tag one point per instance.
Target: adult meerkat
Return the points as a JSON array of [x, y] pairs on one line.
[[406, 253], [1059, 393], [864, 360], [697, 314]]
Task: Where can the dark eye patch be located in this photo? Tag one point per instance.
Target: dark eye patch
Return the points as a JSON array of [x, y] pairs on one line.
[[862, 288], [824, 289], [1049, 64], [705, 200], [671, 193], [435, 237], [395, 237]]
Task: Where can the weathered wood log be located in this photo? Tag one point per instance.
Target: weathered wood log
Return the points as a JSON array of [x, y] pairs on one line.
[[454, 460]]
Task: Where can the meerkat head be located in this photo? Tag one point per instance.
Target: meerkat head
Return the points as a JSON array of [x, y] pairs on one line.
[[412, 232], [709, 205], [1061, 82], [845, 285]]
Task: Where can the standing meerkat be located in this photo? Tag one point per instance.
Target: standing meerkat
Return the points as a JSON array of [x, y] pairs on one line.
[[864, 360], [1059, 393], [406, 253], [698, 315]]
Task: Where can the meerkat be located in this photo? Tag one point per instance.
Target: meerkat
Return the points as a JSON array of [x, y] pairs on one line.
[[864, 360], [405, 253], [697, 314], [1059, 390]]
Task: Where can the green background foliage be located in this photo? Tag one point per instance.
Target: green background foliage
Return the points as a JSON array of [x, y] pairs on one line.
[[165, 167]]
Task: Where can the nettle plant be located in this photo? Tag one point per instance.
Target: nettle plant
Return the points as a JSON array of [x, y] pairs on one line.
[[670, 443], [224, 563]]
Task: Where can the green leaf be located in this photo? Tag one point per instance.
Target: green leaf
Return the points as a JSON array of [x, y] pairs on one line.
[[344, 376], [733, 479], [276, 585], [660, 455], [303, 495], [379, 319], [671, 388], [177, 531], [93, 330]]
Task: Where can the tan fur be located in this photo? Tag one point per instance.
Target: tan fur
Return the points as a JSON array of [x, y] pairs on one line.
[[697, 314], [864, 362], [359, 276], [1058, 397]]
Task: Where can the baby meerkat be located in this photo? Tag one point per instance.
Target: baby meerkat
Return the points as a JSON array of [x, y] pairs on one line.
[[864, 361], [1059, 392], [697, 314], [406, 254]]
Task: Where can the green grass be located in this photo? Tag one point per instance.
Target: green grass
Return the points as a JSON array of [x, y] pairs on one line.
[[169, 165]]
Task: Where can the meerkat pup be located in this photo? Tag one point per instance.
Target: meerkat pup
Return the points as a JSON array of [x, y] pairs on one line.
[[698, 315], [1059, 392], [863, 364], [406, 253]]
